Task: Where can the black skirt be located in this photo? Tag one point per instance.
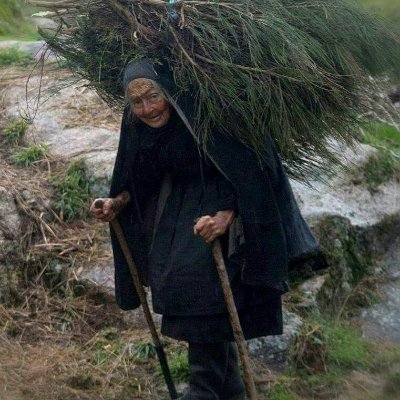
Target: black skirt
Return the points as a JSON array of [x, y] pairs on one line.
[[260, 319]]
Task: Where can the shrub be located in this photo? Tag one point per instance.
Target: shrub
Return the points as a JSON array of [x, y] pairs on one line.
[[15, 130], [29, 156], [379, 169], [72, 192]]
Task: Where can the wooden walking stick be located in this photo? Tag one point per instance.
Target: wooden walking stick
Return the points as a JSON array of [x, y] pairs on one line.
[[235, 322], [142, 296]]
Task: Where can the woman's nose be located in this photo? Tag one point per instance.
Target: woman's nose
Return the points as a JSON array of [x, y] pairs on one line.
[[147, 108]]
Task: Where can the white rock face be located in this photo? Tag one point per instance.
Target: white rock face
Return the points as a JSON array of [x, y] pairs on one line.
[[74, 122], [341, 197]]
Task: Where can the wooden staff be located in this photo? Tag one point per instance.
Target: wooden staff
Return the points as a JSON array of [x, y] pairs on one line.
[[234, 318], [143, 300]]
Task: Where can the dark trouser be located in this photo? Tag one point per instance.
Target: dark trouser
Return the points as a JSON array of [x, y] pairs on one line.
[[214, 372]]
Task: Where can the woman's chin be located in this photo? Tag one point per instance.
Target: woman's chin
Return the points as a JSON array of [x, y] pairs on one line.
[[156, 122]]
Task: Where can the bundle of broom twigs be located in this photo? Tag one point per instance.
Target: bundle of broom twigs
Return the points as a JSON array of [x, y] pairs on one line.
[[293, 70]]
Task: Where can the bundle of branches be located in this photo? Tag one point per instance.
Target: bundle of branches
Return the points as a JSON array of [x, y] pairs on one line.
[[293, 70]]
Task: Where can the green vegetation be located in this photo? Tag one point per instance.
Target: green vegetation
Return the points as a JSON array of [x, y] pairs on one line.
[[324, 354], [329, 346], [29, 156], [382, 136], [281, 391], [389, 9], [379, 169], [345, 348], [10, 11], [13, 56], [14, 21], [72, 191], [144, 350], [179, 367], [385, 165], [14, 130]]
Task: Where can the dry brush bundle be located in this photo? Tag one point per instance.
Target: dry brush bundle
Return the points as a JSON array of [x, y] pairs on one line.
[[292, 70]]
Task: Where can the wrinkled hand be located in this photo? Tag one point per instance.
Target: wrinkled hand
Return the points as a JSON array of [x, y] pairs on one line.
[[209, 228], [105, 213]]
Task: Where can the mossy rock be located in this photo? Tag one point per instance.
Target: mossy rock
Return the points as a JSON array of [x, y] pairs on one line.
[[348, 257]]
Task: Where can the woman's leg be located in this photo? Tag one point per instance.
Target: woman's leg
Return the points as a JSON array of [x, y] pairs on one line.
[[233, 387], [207, 367], [214, 372]]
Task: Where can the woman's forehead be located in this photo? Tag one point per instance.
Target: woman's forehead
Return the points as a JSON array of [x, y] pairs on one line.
[[139, 87]]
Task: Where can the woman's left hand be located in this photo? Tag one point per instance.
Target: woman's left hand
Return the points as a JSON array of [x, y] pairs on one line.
[[209, 228]]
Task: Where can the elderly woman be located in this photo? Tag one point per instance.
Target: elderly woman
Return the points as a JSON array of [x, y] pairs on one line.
[[163, 181]]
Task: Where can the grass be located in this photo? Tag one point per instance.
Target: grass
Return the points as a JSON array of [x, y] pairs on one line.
[[144, 350], [389, 9], [13, 56], [15, 22], [281, 391], [385, 164], [72, 192], [328, 345], [29, 156], [324, 354], [379, 169], [178, 365], [14, 131], [346, 349], [382, 136]]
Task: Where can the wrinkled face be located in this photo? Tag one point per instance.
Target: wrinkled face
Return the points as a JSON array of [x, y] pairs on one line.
[[148, 103]]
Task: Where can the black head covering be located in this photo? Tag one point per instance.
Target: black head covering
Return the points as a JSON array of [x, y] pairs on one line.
[[145, 68]]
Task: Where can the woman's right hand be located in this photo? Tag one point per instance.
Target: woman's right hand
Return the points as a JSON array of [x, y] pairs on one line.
[[107, 209], [106, 212]]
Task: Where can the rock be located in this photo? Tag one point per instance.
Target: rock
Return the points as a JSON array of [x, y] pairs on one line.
[[75, 124], [10, 225], [347, 256], [382, 321], [43, 22], [394, 95], [273, 350], [309, 291], [10, 230], [341, 197], [101, 274]]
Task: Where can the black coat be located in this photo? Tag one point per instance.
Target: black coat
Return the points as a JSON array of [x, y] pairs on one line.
[[273, 228]]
